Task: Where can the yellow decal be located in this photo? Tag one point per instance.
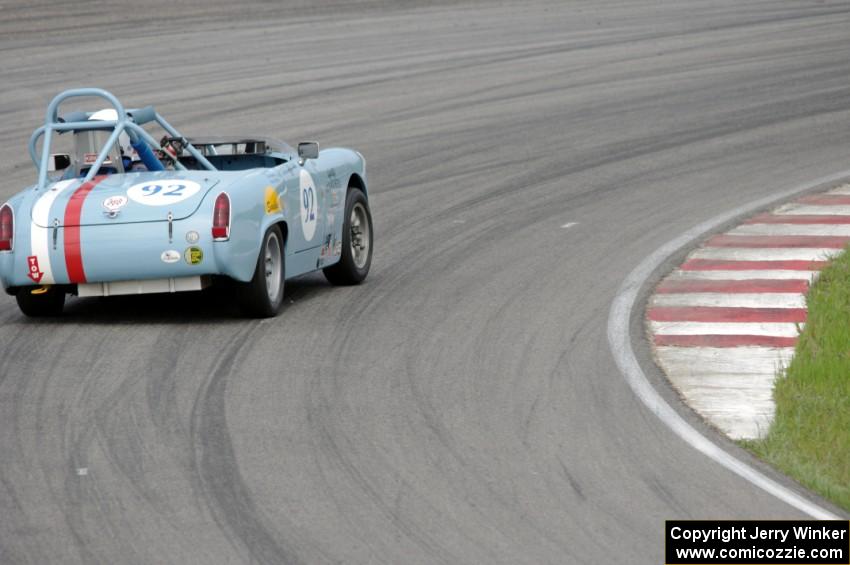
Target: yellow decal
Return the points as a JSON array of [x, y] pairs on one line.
[[194, 255], [272, 201], [40, 290]]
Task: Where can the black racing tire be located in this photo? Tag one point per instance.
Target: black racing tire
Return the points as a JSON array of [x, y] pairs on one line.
[[49, 303], [357, 237], [262, 296]]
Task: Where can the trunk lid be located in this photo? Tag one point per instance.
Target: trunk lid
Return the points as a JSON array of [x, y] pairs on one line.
[[123, 199]]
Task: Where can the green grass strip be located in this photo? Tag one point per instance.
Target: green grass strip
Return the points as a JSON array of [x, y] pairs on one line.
[[809, 439]]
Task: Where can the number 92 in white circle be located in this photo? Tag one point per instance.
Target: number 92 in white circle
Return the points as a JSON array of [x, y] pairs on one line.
[[163, 192]]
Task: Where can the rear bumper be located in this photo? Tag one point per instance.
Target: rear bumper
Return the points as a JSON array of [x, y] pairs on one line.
[[147, 286]]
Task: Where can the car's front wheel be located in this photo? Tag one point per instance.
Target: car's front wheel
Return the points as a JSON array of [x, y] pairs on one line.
[[39, 302], [262, 296]]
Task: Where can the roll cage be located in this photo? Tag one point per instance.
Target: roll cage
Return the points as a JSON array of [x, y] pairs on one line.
[[128, 121]]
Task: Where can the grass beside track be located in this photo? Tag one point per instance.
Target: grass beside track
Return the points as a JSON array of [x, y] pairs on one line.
[[810, 436]]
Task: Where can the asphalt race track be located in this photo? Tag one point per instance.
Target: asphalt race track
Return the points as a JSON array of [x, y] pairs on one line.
[[462, 406]]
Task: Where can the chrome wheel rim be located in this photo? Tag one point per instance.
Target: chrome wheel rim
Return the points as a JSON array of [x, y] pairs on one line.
[[273, 265], [361, 236]]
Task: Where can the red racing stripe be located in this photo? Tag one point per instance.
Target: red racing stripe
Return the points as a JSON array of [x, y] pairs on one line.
[[777, 241], [795, 219], [71, 228], [721, 265], [726, 315], [724, 341], [826, 199], [751, 285]]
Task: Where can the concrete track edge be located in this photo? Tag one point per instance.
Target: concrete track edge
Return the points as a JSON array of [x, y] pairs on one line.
[[620, 342]]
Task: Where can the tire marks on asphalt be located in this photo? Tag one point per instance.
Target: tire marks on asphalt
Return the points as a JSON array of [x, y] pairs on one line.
[[214, 461]]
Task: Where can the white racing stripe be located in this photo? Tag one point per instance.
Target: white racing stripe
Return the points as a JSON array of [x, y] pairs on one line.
[[773, 329], [720, 275], [813, 210], [40, 236], [832, 230], [765, 254], [732, 300]]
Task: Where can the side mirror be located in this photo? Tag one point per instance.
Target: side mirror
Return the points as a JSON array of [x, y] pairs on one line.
[[308, 150], [58, 162]]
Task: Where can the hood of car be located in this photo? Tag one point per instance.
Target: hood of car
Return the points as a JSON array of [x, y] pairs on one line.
[[122, 198]]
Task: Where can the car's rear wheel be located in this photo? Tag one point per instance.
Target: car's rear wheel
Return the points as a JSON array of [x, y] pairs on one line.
[[42, 301], [356, 254], [262, 296]]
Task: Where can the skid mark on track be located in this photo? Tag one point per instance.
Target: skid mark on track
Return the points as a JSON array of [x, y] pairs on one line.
[[215, 464]]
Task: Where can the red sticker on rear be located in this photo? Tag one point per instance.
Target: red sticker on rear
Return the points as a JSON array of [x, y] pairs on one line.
[[34, 271]]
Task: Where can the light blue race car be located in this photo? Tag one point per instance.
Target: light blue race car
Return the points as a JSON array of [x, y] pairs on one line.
[[123, 213]]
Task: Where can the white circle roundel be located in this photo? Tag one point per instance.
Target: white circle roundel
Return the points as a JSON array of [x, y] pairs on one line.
[[163, 192], [309, 206]]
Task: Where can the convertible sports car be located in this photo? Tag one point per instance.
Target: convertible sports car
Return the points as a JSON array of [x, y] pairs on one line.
[[121, 213]]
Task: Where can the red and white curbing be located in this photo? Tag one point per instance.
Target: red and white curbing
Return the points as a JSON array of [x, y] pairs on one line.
[[726, 321]]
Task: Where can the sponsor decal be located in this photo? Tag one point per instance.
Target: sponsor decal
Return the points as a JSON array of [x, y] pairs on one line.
[[163, 192], [170, 256], [308, 204], [194, 255], [114, 203], [326, 247], [272, 201], [91, 159], [34, 272], [333, 180], [334, 184], [192, 237]]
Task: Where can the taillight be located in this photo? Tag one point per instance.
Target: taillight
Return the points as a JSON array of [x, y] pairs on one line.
[[221, 218], [7, 228]]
